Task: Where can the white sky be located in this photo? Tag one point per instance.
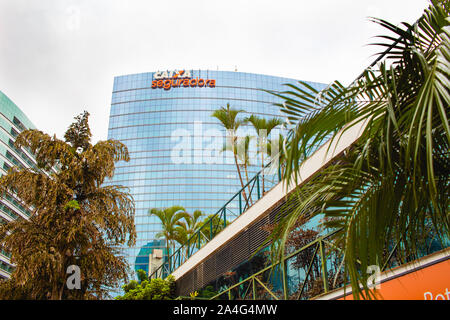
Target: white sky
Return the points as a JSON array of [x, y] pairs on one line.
[[59, 57]]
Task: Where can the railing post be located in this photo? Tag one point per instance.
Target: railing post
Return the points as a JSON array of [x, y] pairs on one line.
[[224, 217], [324, 266], [285, 283], [170, 266], [187, 253], [254, 288], [210, 229], [240, 203], [257, 186], [175, 260]]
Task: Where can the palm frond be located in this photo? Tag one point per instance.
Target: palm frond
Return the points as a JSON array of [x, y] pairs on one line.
[[392, 185]]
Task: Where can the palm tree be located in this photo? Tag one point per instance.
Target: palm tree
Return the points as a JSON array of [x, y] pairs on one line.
[[276, 151], [394, 180], [212, 225], [170, 219], [228, 118], [263, 129], [186, 229], [242, 147]]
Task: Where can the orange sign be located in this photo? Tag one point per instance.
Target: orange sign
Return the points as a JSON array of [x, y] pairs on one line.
[[181, 78], [167, 84], [430, 282]]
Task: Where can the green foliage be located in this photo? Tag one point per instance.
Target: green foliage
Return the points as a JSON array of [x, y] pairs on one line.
[[217, 225], [186, 229], [264, 126], [154, 289], [132, 285], [208, 292], [170, 219], [228, 117], [445, 5], [394, 180], [142, 275], [72, 204]]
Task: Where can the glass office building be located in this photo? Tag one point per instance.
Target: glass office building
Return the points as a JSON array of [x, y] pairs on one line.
[[12, 122], [164, 118]]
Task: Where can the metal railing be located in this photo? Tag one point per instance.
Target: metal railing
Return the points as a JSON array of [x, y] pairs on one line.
[[5, 253], [250, 193], [322, 271], [6, 268], [308, 272], [289, 280]]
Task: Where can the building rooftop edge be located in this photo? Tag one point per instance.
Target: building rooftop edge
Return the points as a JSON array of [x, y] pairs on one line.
[[222, 71]]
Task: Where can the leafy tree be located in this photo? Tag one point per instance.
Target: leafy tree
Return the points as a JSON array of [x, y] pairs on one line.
[[228, 118], [395, 179], [171, 219], [208, 292], [142, 275], [11, 291], [154, 289], [132, 285], [75, 220]]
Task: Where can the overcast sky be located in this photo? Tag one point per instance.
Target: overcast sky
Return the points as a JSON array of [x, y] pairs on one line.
[[59, 57]]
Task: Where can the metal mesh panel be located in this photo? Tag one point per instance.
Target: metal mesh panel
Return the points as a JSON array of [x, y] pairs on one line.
[[199, 282], [239, 254], [233, 253]]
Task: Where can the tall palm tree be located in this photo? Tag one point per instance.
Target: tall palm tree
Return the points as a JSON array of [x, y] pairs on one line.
[[276, 151], [394, 180], [170, 218], [228, 118], [243, 147], [263, 129]]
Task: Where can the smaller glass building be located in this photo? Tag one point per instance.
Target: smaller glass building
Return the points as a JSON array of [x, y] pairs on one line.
[[12, 122]]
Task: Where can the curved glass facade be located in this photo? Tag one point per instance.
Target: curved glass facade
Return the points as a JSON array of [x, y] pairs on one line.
[[12, 122], [175, 144]]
